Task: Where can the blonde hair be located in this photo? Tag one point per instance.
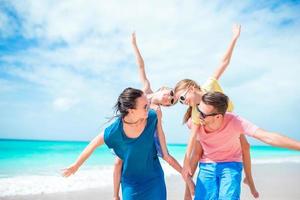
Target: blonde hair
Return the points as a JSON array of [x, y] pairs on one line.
[[164, 88], [184, 85]]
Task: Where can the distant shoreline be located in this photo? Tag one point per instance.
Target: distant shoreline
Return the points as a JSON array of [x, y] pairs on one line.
[[87, 141]]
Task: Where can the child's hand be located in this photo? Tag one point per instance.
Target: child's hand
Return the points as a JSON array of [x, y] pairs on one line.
[[186, 171], [158, 112], [236, 30], [70, 170], [133, 38]]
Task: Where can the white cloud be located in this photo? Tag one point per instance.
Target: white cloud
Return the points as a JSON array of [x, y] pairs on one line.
[[83, 54], [63, 103]]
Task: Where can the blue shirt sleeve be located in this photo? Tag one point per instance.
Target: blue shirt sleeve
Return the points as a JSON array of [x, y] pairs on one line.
[[152, 115], [109, 134]]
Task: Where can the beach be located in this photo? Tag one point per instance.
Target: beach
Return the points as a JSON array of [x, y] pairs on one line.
[[31, 170], [273, 181]]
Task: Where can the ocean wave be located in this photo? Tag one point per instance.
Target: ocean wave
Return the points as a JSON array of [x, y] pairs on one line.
[[38, 184], [88, 178], [277, 160]]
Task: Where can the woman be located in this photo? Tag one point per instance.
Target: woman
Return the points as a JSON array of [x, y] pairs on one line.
[[162, 97], [131, 136], [189, 93]]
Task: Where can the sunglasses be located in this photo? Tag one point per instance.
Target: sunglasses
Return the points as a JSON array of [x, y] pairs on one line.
[[183, 97], [203, 115], [172, 99]]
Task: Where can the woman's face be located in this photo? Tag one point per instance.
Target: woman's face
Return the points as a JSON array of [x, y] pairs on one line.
[[141, 109], [166, 97], [186, 96]]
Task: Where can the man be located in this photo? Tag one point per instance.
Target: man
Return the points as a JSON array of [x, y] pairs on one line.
[[221, 163]]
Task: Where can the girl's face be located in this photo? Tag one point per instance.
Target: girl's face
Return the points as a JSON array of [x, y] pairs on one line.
[[166, 97], [141, 109], [186, 96]]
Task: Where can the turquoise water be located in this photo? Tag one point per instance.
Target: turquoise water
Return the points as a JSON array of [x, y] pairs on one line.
[[22, 157]]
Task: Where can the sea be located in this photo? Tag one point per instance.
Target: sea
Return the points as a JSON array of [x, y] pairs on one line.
[[35, 166]]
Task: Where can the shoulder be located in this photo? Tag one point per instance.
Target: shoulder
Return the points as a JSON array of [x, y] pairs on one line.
[[152, 113], [195, 115], [230, 117], [152, 117], [210, 83], [237, 120], [111, 129], [234, 117], [244, 125]]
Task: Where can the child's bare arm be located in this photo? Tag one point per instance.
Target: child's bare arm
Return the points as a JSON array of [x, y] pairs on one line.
[[141, 66], [227, 56]]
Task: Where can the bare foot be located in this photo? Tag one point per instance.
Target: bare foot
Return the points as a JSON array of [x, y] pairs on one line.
[[187, 197], [255, 194], [116, 198], [253, 190]]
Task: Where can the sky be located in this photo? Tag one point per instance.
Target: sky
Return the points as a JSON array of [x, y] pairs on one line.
[[64, 63]]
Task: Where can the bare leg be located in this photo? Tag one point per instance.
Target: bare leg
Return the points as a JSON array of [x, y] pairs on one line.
[[247, 166], [196, 155], [117, 177]]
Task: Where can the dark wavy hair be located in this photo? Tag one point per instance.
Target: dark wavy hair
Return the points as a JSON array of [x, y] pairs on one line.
[[126, 101]]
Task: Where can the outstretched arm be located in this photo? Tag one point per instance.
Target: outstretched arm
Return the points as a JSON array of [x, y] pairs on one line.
[[141, 66], [276, 139], [227, 57], [96, 142]]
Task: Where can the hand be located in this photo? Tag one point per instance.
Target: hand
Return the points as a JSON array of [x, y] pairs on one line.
[[186, 171], [158, 112], [116, 198], [133, 38], [236, 30], [70, 170]]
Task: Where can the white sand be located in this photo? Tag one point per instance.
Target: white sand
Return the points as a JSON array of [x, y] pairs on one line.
[[273, 181]]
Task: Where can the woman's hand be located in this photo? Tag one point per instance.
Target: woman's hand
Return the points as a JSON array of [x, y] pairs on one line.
[[72, 169]]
